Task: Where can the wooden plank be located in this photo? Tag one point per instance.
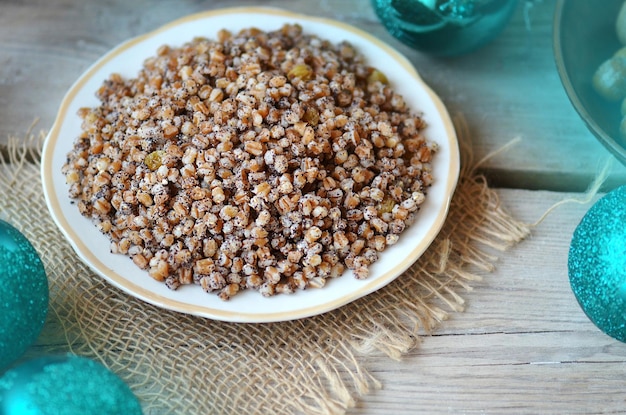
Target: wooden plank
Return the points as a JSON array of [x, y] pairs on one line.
[[522, 346]]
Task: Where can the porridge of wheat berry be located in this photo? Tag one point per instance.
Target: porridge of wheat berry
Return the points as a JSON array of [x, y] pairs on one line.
[[271, 161]]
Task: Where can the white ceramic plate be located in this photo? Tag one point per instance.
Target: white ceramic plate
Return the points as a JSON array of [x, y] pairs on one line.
[[248, 306]]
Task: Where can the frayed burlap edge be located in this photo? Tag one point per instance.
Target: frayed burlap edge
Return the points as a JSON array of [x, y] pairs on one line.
[[179, 364]]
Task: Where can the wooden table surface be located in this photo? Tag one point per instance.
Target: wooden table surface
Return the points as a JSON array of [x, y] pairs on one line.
[[523, 345]]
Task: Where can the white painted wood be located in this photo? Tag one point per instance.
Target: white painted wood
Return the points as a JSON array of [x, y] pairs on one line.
[[523, 345]]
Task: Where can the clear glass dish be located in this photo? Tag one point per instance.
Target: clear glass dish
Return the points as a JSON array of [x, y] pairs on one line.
[[584, 37]]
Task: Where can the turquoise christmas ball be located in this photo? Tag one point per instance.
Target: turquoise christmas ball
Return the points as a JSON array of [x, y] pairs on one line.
[[23, 294], [65, 385], [597, 263]]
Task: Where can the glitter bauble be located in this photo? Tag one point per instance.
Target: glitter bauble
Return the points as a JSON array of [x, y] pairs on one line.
[[445, 28], [23, 294], [65, 385], [597, 263]]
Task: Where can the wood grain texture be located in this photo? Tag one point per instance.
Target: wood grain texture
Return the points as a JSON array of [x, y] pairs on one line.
[[523, 345], [509, 89]]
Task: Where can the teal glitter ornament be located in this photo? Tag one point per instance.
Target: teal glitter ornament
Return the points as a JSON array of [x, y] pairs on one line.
[[65, 385], [445, 27], [597, 263], [23, 294]]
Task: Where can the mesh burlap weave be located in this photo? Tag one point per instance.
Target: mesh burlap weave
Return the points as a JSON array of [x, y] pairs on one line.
[[179, 364]]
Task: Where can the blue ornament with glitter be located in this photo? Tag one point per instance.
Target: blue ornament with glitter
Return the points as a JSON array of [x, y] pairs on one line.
[[597, 263], [445, 27], [23, 294], [65, 385]]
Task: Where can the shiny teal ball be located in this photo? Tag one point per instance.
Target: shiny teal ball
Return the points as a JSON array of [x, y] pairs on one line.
[[444, 27], [597, 263], [23, 294], [65, 385]]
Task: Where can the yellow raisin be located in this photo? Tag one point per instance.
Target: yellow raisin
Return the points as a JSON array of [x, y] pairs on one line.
[[311, 116], [154, 160], [386, 206], [377, 76], [301, 71]]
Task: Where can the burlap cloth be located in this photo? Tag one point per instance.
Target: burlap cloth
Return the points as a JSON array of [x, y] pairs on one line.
[[180, 364]]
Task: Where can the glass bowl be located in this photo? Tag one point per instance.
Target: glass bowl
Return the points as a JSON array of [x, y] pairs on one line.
[[584, 37]]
